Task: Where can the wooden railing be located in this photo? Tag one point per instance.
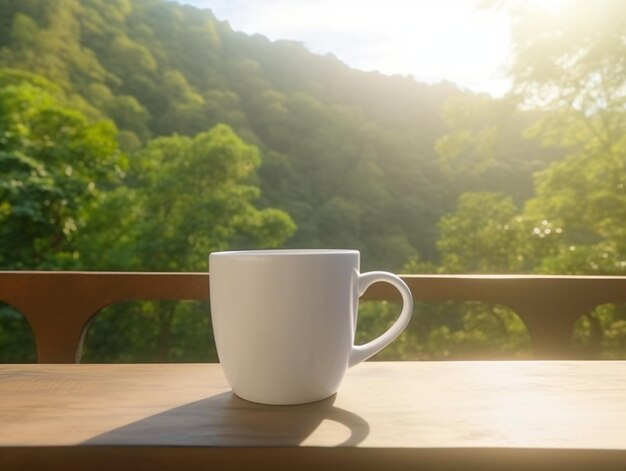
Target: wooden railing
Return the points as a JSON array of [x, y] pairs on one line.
[[60, 305]]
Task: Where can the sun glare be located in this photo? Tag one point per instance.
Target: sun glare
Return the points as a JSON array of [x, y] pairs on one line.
[[451, 40], [550, 6]]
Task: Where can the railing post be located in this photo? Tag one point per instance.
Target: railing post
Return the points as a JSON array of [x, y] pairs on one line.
[[57, 343], [549, 339], [59, 318]]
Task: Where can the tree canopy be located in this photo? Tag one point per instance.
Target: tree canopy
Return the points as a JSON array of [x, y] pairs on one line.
[[348, 154]]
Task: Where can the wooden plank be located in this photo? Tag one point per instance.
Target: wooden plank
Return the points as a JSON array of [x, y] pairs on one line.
[[106, 458], [534, 405]]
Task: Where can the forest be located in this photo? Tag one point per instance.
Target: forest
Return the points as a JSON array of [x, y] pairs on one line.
[[143, 135]]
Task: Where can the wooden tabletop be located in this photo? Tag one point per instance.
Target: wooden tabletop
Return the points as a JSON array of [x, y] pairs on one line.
[[386, 415]]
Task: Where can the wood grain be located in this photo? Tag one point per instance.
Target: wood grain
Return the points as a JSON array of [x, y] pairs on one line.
[[558, 412]]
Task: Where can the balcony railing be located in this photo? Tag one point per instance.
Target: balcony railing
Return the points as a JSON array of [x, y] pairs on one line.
[[60, 305]]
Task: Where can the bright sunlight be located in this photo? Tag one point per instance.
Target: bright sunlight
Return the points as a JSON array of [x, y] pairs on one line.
[[450, 40]]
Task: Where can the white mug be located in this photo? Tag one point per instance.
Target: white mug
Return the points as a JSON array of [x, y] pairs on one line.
[[284, 320]]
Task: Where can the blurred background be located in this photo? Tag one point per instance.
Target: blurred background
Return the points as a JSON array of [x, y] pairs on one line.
[[434, 137]]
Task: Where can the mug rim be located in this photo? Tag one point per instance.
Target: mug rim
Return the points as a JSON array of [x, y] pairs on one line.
[[283, 252]]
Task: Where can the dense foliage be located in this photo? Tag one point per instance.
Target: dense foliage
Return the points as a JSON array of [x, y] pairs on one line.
[[143, 135]]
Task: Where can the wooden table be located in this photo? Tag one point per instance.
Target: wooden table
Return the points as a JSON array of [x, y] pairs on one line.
[[404, 415]]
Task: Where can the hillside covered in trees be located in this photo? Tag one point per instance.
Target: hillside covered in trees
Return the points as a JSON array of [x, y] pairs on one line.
[[142, 135], [348, 155]]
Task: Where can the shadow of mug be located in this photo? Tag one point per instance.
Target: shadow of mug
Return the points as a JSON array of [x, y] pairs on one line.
[[227, 420]]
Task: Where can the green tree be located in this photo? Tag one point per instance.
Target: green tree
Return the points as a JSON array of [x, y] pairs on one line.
[[574, 71], [185, 197], [54, 163], [481, 236]]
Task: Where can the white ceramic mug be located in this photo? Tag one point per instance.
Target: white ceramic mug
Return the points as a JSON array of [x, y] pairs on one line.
[[284, 320]]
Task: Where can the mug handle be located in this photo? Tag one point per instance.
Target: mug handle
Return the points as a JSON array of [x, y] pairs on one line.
[[363, 352]]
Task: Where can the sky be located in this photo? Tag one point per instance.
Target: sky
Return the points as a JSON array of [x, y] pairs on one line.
[[432, 40]]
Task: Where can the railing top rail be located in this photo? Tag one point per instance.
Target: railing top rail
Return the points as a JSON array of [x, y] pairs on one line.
[[547, 304]]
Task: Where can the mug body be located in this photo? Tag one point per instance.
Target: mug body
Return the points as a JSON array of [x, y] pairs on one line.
[[284, 321]]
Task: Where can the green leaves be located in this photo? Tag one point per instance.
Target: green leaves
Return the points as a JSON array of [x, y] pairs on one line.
[[477, 137], [573, 60], [482, 236], [186, 198], [584, 98], [569, 68], [54, 163]]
